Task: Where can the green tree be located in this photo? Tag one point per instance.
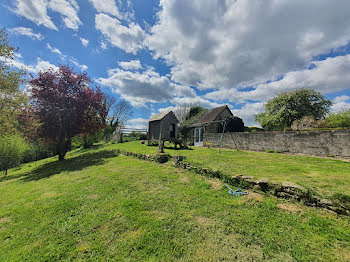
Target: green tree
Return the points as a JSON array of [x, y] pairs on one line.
[[12, 99], [282, 110], [340, 120]]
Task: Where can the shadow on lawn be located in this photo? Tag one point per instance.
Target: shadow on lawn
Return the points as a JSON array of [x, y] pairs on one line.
[[71, 164]]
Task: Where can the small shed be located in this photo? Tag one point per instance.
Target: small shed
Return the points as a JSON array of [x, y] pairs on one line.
[[209, 122], [164, 126]]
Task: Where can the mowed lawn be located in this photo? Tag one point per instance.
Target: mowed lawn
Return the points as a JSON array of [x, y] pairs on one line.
[[99, 206], [328, 177]]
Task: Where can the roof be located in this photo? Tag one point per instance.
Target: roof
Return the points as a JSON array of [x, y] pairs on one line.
[[210, 115], [160, 116]]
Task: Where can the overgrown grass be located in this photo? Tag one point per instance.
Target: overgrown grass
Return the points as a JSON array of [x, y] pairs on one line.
[[99, 206], [327, 177]]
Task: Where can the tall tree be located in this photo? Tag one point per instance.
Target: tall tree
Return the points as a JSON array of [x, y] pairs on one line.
[[67, 106], [282, 110], [12, 98]]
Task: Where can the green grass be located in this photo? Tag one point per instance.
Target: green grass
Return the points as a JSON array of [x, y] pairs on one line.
[[98, 206], [327, 177]]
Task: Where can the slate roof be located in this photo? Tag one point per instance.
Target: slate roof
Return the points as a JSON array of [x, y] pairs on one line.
[[160, 116], [210, 115]]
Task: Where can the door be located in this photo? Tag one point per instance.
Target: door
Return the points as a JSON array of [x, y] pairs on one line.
[[172, 130], [198, 136]]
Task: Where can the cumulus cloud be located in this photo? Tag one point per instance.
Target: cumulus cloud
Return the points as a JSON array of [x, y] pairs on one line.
[[341, 103], [248, 111], [327, 76], [224, 44], [54, 49], [36, 11], [84, 41], [129, 38], [130, 65], [137, 123], [27, 32], [140, 88], [106, 6], [68, 9]]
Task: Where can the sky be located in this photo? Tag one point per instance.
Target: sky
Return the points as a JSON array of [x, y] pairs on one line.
[[160, 55]]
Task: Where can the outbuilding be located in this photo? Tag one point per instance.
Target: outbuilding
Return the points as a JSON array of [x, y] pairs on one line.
[[164, 126]]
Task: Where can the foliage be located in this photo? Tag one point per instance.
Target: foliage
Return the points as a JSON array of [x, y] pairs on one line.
[[35, 151], [232, 124], [192, 116], [12, 149], [341, 119], [283, 110], [12, 98], [66, 106]]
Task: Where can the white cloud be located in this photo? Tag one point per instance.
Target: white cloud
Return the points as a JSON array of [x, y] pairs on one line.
[[327, 76], [127, 38], [130, 65], [230, 43], [106, 6], [84, 41], [40, 65], [27, 32], [36, 11], [140, 88], [54, 49], [67, 58], [248, 111], [341, 103], [138, 123], [103, 46], [68, 10]]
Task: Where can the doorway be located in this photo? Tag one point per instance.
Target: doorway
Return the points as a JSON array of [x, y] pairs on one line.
[[198, 136]]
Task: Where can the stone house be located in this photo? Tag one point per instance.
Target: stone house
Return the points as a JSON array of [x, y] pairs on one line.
[[164, 125], [208, 122]]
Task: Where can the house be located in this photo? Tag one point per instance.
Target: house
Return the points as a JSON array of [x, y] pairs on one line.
[[209, 121], [164, 125]]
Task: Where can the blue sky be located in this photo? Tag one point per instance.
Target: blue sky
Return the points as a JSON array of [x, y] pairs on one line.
[[168, 54]]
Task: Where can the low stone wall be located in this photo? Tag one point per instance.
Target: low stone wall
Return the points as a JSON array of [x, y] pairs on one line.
[[317, 143]]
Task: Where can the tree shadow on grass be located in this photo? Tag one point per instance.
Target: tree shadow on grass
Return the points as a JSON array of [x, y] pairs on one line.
[[71, 164]]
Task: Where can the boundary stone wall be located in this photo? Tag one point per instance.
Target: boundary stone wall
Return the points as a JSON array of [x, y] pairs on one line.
[[318, 143]]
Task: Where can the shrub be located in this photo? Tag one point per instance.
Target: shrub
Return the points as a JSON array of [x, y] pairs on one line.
[[12, 149], [341, 119], [36, 151]]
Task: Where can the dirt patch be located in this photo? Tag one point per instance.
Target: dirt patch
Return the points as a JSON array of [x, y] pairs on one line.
[[290, 207], [204, 221], [255, 196], [215, 184], [4, 220], [158, 214], [184, 179], [93, 196], [49, 195]]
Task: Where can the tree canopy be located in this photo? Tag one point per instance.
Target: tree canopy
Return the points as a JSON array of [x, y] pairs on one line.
[[66, 106], [12, 99], [282, 110]]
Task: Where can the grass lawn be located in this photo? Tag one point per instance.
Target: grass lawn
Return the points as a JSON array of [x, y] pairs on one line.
[[98, 206], [327, 177]]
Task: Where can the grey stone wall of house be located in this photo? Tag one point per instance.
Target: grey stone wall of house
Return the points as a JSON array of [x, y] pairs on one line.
[[164, 124], [318, 143]]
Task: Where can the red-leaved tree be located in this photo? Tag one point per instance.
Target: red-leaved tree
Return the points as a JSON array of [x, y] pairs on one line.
[[66, 106]]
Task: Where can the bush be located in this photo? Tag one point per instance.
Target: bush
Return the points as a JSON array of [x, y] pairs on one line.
[[12, 149], [341, 119], [36, 151]]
